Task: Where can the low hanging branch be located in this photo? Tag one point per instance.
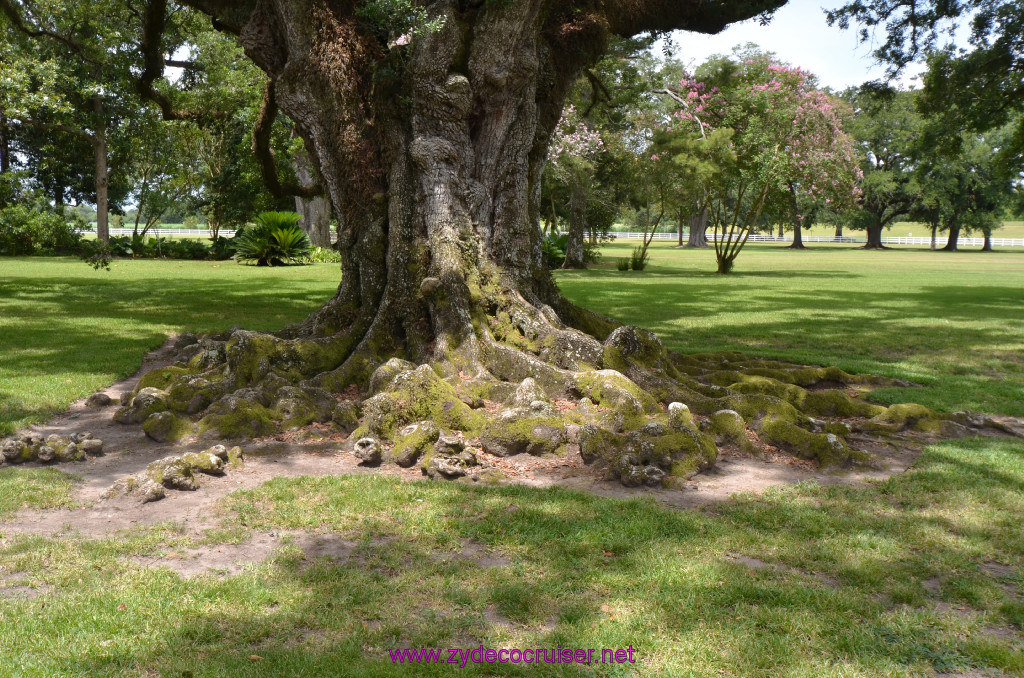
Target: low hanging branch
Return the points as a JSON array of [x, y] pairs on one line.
[[597, 90], [265, 155]]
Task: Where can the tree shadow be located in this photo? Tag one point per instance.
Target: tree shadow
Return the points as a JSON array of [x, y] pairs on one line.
[[840, 580]]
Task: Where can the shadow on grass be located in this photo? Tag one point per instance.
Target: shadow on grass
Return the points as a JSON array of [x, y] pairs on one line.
[[962, 339], [89, 331], [840, 591]]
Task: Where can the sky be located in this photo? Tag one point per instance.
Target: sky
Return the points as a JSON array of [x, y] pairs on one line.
[[799, 36]]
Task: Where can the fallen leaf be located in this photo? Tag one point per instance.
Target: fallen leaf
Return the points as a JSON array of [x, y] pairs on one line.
[[255, 658]]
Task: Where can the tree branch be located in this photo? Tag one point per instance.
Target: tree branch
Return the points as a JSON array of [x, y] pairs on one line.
[[632, 17], [265, 155], [597, 89], [685, 104], [11, 11]]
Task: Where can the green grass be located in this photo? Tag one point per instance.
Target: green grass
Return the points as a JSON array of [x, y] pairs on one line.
[[891, 579], [950, 321], [919, 574], [67, 330], [34, 488], [1009, 229]]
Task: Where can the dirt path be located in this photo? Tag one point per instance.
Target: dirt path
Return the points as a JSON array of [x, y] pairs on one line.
[[128, 451]]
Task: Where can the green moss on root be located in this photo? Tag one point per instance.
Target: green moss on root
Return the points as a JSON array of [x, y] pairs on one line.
[[824, 448], [538, 436], [161, 377], [248, 420]]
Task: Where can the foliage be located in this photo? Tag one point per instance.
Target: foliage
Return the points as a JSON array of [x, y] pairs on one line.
[[553, 247], [887, 128], [324, 255], [786, 147], [275, 239], [638, 260], [25, 230], [622, 264], [223, 248], [979, 85]]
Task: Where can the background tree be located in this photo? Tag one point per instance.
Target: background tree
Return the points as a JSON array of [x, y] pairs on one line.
[[887, 127], [573, 152], [787, 143]]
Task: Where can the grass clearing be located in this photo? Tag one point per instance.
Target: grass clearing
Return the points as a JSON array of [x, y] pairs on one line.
[[920, 574], [67, 330], [953, 322], [904, 577]]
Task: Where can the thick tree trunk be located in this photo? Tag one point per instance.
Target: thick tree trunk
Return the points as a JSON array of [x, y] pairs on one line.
[[935, 229], [577, 226], [954, 237], [432, 155], [987, 247], [839, 231], [698, 229], [316, 211], [875, 238], [679, 228]]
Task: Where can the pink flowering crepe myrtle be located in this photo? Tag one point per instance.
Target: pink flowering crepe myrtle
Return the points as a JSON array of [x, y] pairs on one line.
[[787, 132]]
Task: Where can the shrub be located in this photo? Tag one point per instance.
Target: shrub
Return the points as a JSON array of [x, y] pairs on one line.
[[32, 231], [187, 249], [591, 252], [638, 261], [324, 255], [553, 247], [274, 240], [223, 248], [623, 264], [124, 245]]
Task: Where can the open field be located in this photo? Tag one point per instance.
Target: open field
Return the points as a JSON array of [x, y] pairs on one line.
[[953, 322], [919, 575], [67, 330]]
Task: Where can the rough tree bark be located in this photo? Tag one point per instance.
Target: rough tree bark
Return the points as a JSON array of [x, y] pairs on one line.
[[839, 231], [698, 225], [874, 232], [432, 155], [316, 211], [577, 227]]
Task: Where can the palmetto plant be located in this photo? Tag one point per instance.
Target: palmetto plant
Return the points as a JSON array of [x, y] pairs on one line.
[[275, 239]]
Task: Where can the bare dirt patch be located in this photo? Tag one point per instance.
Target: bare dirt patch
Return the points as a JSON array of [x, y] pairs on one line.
[[231, 559]]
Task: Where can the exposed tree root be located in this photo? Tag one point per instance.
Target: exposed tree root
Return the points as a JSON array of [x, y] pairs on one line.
[[646, 414]]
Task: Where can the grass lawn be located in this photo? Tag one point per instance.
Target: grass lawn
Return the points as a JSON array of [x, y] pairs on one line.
[[67, 330], [917, 575], [953, 322]]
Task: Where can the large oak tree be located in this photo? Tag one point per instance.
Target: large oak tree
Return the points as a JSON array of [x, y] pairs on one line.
[[429, 125]]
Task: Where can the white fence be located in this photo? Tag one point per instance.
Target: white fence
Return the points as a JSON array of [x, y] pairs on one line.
[[163, 232], [886, 240]]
